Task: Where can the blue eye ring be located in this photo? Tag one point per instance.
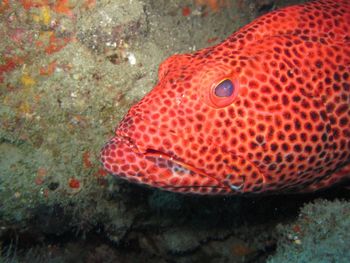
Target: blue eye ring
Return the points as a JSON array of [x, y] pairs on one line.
[[224, 89]]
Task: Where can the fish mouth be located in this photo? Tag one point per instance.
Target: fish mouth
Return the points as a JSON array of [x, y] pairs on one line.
[[124, 159], [149, 153]]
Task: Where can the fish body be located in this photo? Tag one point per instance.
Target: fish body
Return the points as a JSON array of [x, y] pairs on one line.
[[265, 111]]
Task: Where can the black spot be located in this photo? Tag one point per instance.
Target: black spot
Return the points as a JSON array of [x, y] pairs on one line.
[[267, 159], [292, 137], [285, 147], [279, 158], [318, 64], [318, 148], [290, 158], [287, 127], [296, 98], [272, 167], [281, 136], [285, 100], [308, 126], [308, 148], [324, 137], [273, 147], [297, 124], [297, 148], [322, 154], [343, 121], [336, 77], [314, 116]]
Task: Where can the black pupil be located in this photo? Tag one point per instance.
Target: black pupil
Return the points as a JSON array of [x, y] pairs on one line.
[[224, 89]]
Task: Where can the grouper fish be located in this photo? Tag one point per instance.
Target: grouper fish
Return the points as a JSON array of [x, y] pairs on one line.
[[265, 111]]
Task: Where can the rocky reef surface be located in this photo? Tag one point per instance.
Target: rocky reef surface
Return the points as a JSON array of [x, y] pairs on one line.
[[69, 71]]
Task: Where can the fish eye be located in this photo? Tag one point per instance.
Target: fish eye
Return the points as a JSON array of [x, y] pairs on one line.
[[223, 93], [224, 88]]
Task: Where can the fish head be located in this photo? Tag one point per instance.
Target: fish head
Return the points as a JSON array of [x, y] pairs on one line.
[[176, 137], [217, 126]]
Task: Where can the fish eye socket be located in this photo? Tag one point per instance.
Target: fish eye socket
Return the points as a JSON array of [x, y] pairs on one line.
[[224, 89], [223, 92]]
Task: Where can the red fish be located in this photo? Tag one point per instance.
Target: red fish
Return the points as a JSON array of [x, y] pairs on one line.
[[265, 111]]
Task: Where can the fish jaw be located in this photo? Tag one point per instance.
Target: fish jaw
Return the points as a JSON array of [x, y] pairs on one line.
[[123, 159]]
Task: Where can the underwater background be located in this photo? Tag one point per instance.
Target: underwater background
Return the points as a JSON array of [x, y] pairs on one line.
[[69, 71]]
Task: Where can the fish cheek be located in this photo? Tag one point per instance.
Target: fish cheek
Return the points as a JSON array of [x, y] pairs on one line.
[[242, 176]]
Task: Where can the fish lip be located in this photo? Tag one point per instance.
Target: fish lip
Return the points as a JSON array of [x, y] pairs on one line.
[[161, 158], [147, 151], [151, 152], [150, 155]]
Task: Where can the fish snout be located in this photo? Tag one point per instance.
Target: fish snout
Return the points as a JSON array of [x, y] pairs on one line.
[[112, 154], [119, 157]]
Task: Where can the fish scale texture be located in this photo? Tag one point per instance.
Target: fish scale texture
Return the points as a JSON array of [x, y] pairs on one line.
[[283, 127]]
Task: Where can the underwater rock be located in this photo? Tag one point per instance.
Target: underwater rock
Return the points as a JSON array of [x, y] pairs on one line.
[[110, 30], [320, 234], [181, 240], [50, 220]]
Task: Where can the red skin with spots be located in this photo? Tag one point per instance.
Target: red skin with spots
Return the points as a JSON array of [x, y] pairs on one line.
[[285, 128]]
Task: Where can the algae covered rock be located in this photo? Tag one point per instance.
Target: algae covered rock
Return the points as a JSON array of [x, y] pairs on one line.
[[318, 235]]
